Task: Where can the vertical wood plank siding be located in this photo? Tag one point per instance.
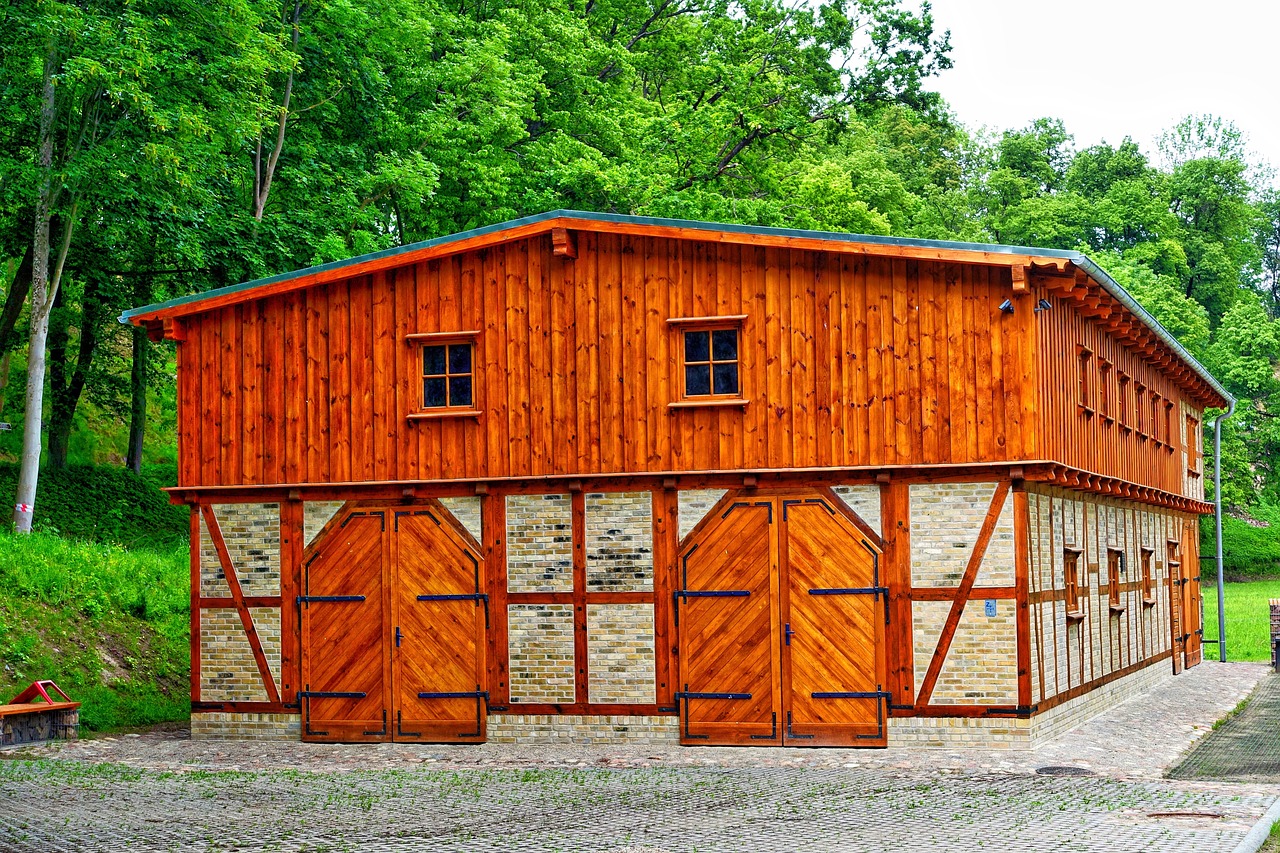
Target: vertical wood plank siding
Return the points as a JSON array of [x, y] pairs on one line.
[[846, 361], [1093, 442]]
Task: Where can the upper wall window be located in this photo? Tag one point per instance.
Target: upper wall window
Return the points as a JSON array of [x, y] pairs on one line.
[[448, 375], [1122, 399], [710, 368], [1156, 418], [711, 363], [1085, 389], [1139, 409], [1104, 390], [1170, 437], [1193, 446]]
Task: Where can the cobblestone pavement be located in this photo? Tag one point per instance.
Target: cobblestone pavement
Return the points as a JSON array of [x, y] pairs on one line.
[[162, 791]]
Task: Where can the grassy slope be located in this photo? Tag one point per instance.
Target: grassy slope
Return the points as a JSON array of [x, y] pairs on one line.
[[107, 624]]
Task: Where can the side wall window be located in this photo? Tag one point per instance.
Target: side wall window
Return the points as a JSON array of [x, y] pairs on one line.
[[1071, 580]]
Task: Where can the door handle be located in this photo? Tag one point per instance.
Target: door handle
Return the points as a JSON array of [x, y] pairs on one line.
[[398, 636], [788, 632]]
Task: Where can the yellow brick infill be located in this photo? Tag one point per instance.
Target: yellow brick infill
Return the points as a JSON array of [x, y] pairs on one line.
[[584, 730], [315, 515], [467, 511], [252, 536], [693, 505], [620, 653], [219, 725], [619, 541], [540, 652], [539, 543], [865, 501]]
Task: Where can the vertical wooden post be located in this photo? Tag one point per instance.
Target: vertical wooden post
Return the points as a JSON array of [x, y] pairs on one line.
[[291, 544], [195, 603], [493, 510], [666, 547], [895, 524], [580, 657], [1022, 580]]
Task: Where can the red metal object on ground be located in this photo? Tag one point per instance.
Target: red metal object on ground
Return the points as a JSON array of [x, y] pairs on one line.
[[41, 689]]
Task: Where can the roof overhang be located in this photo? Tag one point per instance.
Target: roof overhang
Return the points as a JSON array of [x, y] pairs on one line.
[[163, 319]]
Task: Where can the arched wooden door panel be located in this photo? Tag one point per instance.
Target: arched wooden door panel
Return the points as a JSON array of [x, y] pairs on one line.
[[780, 619], [725, 615], [345, 670], [440, 613], [833, 614]]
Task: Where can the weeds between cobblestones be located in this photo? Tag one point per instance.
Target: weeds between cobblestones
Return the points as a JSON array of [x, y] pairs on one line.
[[107, 806]]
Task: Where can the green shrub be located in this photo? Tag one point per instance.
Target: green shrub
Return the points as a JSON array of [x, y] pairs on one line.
[[1250, 551], [106, 504]]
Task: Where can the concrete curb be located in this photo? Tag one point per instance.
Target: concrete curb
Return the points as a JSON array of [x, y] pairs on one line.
[[1258, 835]]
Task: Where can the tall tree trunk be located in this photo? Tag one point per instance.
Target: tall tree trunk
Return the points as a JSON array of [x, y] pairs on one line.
[[68, 391], [44, 288], [41, 303], [138, 380]]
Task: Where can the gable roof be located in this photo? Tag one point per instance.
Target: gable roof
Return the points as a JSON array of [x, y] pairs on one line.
[[515, 229]]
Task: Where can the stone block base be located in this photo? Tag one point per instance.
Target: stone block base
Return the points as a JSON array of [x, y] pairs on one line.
[[218, 725], [1015, 733], [960, 732], [1068, 715], [565, 730]]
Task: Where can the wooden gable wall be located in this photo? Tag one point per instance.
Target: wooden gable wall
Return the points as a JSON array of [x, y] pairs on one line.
[[1099, 441], [847, 360]]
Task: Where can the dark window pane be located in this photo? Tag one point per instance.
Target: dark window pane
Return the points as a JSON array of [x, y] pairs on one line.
[[726, 378], [433, 393], [432, 361], [460, 391], [696, 346], [724, 345], [697, 379], [460, 358]]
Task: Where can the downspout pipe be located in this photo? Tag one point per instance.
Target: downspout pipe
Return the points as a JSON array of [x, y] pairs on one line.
[[1217, 524]]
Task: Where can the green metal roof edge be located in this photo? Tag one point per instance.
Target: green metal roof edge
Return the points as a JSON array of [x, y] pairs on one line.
[[1108, 283]]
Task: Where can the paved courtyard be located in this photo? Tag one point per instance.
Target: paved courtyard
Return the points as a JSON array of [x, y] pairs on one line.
[[162, 791]]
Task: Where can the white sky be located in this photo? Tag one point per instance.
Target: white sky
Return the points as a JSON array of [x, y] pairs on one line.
[[1111, 68]]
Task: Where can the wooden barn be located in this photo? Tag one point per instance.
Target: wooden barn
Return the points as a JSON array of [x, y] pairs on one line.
[[585, 477]]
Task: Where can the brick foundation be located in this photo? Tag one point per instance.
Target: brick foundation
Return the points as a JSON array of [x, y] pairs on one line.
[[235, 726], [568, 729]]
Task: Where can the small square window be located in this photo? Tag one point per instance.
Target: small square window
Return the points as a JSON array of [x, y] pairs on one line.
[[711, 363], [447, 376]]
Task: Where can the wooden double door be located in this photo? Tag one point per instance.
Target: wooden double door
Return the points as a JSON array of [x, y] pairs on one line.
[[780, 614], [393, 618]]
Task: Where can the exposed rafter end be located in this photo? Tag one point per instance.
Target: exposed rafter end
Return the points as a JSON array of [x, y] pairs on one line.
[[564, 243], [1021, 279]]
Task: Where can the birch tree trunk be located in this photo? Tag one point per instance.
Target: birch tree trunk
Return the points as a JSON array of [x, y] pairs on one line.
[[42, 293]]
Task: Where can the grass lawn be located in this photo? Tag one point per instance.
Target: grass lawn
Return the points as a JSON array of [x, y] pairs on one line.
[[1248, 619]]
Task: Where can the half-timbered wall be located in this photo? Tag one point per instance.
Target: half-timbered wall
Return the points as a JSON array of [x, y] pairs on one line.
[[846, 360], [1071, 655], [1099, 428]]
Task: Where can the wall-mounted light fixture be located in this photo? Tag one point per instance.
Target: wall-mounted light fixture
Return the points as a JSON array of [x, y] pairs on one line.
[[1043, 305], [1007, 306]]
